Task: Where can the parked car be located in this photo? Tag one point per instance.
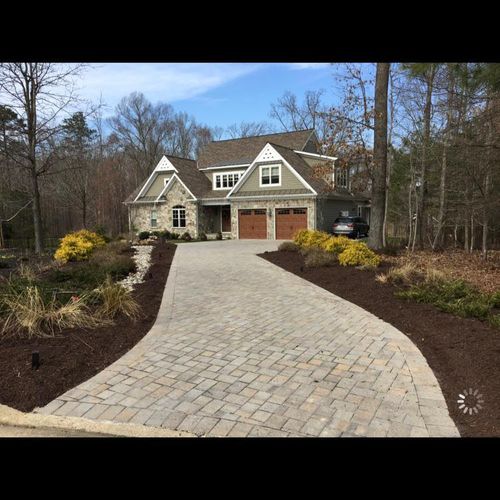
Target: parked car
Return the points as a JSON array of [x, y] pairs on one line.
[[351, 226]]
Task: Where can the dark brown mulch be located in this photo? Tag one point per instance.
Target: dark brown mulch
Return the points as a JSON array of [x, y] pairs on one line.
[[77, 355], [462, 352]]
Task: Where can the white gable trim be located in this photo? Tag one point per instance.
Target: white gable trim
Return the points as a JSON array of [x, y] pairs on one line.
[[164, 165], [315, 155], [169, 185], [268, 153]]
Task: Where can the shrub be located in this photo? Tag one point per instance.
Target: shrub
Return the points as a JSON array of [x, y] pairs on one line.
[[358, 254], [28, 314], [203, 237], [165, 234], [315, 239], [113, 299], [336, 244], [405, 273], [174, 236], [301, 236], [494, 320], [288, 246], [453, 296], [78, 245], [186, 237], [156, 233], [320, 258], [144, 235], [3, 264]]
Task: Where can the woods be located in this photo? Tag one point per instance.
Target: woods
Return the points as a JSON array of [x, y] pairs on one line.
[[422, 139]]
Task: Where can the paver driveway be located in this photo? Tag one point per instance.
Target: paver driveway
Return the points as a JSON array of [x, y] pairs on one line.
[[242, 347]]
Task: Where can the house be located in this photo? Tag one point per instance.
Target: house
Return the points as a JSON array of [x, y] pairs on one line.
[[261, 187]]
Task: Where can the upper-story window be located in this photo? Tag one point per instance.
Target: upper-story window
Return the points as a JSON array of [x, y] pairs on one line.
[[270, 175], [226, 180], [342, 178]]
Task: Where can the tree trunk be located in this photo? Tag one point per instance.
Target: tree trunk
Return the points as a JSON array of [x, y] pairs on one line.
[[426, 139], [379, 157]]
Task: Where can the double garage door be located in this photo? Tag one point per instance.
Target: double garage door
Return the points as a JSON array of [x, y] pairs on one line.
[[253, 223]]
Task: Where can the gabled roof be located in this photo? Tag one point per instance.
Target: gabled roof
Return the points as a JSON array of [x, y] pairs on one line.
[[245, 149], [303, 169], [188, 173]]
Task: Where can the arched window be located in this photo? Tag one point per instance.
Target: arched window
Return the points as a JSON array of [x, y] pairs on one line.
[[179, 216]]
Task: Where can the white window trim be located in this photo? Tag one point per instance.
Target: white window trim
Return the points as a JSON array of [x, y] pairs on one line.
[[151, 218], [270, 165], [220, 174], [177, 209]]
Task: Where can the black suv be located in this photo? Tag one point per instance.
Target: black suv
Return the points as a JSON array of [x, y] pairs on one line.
[[351, 226]]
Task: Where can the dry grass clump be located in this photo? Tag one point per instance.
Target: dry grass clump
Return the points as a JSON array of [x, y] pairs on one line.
[[288, 246], [319, 258], [28, 314], [114, 299]]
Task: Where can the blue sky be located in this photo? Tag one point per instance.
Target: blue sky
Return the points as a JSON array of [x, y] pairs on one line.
[[216, 94]]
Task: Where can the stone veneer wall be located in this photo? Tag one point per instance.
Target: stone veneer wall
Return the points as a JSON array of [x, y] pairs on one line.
[[140, 214], [309, 203]]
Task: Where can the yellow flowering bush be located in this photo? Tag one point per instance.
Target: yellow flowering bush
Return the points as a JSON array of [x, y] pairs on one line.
[[336, 244], [311, 239], [358, 254], [78, 245]]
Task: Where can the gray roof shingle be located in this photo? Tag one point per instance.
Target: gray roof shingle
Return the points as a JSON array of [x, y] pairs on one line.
[[245, 149]]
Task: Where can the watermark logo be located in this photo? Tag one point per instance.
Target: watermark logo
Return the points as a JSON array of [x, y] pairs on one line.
[[470, 401]]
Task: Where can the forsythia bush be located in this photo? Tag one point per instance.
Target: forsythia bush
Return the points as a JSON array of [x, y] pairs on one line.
[[310, 239], [336, 244], [350, 252], [78, 245], [358, 254]]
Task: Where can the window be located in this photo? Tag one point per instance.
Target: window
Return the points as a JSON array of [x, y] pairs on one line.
[[154, 218], [179, 216], [270, 175], [342, 178], [227, 180], [299, 211]]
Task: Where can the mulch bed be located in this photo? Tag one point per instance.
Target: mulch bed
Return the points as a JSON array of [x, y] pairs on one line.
[[77, 355], [462, 352]]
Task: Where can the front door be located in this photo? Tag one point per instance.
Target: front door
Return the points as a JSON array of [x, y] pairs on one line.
[[226, 219]]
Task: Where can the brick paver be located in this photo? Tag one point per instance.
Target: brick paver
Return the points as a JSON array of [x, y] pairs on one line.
[[243, 348]]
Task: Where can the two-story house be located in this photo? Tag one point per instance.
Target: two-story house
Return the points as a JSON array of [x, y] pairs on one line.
[[261, 187]]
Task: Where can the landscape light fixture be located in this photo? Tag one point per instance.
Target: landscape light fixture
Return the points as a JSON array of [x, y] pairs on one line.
[[35, 360]]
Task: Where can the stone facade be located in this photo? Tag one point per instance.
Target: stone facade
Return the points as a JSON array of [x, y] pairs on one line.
[[309, 203], [140, 214]]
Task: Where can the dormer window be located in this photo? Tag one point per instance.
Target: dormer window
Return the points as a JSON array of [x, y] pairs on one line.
[[227, 180], [342, 178], [270, 175]]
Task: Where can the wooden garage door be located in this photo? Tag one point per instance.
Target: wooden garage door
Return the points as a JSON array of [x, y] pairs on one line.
[[289, 221], [252, 224]]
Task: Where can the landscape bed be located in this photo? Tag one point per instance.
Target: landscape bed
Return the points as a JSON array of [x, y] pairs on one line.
[[463, 352], [76, 355]]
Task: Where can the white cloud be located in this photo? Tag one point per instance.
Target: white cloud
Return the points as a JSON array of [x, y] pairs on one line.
[[168, 82], [309, 65]]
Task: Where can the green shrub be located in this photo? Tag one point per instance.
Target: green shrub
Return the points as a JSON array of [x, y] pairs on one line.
[[174, 236], [453, 296], [165, 234], [358, 254], [494, 320], [186, 236], [288, 246], [320, 258], [203, 237], [144, 235]]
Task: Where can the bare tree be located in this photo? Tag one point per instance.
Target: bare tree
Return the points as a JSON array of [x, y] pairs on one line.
[[38, 92], [143, 131], [247, 129]]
